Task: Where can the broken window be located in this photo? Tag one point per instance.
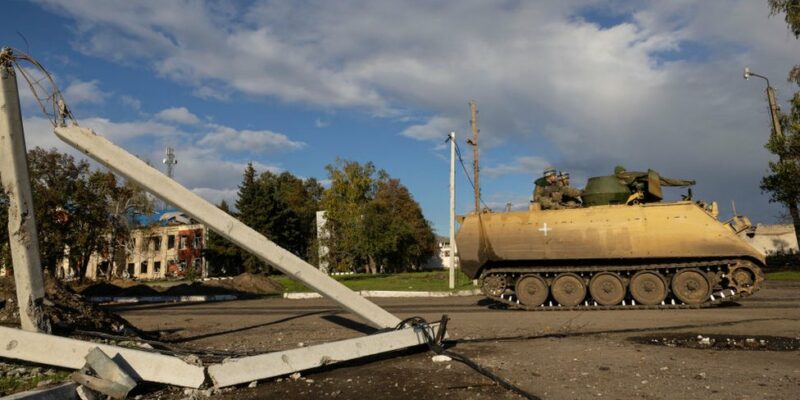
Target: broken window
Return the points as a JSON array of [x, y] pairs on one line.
[[130, 269], [182, 245], [156, 242], [198, 239], [171, 242], [157, 267], [143, 268]]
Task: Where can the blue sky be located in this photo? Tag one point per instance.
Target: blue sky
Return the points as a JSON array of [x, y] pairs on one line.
[[293, 85]]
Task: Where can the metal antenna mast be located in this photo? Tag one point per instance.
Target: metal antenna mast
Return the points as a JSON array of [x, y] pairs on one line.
[[473, 109], [170, 161]]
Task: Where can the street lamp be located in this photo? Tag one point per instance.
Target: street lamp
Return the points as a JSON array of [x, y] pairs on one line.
[[773, 105]]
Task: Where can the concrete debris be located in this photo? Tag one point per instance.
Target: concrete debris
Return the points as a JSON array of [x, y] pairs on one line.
[[700, 376], [295, 376], [85, 393], [253, 384], [103, 375], [441, 358]]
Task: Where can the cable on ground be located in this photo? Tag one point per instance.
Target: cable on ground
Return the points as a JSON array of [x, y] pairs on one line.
[[436, 345]]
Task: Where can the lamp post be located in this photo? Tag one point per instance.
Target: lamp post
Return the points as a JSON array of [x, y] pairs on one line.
[[773, 105]]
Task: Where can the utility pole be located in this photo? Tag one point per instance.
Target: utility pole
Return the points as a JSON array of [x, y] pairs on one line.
[[473, 121], [452, 210], [170, 161], [23, 238]]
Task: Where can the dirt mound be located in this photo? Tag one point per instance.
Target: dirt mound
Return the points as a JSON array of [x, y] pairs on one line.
[[109, 289], [249, 283], [194, 289], [66, 310]]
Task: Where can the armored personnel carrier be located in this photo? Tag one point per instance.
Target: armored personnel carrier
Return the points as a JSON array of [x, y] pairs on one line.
[[624, 247]]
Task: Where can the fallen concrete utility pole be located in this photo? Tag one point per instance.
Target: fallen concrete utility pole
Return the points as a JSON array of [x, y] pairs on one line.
[[23, 239], [263, 366], [70, 353], [136, 170]]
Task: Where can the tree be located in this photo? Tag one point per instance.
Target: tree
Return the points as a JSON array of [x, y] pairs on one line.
[[783, 184], [123, 202], [55, 177], [222, 255], [345, 203], [251, 213], [373, 221], [415, 239], [791, 11]]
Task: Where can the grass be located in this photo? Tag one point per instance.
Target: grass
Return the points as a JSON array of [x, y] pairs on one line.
[[436, 281], [784, 276], [10, 385]]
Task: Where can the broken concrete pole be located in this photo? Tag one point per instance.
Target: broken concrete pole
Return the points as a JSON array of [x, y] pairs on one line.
[[263, 366], [134, 169], [70, 353], [108, 388], [103, 375], [23, 238]]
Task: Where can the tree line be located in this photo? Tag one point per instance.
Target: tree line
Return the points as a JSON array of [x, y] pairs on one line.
[[373, 223], [79, 211]]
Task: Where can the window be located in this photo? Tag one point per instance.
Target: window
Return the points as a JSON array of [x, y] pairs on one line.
[[130, 269], [156, 242], [157, 267], [143, 268], [171, 242], [198, 239], [182, 245]]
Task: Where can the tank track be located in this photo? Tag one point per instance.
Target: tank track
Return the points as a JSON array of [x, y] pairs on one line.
[[722, 289]]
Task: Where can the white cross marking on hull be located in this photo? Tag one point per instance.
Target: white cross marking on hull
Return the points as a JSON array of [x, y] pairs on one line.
[[545, 229]]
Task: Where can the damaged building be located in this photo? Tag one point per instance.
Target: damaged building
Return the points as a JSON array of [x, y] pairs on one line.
[[170, 247]]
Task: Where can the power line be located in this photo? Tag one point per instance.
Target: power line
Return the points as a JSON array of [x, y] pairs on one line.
[[466, 173]]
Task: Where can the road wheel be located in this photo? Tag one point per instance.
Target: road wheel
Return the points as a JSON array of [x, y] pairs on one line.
[[745, 278], [607, 288], [568, 289], [494, 285], [531, 290], [648, 288], [691, 286]]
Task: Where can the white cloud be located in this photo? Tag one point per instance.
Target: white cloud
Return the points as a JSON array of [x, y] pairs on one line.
[[249, 140], [84, 92], [123, 131], [180, 115], [662, 89], [320, 123], [208, 93], [436, 129], [132, 102], [529, 165]]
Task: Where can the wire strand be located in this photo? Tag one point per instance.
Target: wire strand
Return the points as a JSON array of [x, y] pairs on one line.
[[466, 173]]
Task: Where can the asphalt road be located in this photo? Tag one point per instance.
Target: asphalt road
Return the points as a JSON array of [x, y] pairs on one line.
[[553, 354]]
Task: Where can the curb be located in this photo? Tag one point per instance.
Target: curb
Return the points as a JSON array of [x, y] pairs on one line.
[[161, 299], [387, 293]]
